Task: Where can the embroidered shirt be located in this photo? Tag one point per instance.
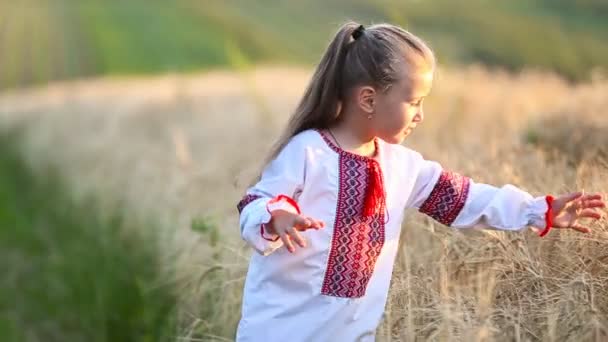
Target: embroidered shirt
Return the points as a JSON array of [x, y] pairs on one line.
[[335, 289]]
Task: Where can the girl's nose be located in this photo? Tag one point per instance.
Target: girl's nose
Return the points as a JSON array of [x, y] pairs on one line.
[[419, 116]]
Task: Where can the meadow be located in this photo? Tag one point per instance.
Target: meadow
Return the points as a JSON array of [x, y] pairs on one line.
[[129, 130], [176, 153]]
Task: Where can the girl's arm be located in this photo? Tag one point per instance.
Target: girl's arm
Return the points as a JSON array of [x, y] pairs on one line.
[[274, 194], [457, 201]]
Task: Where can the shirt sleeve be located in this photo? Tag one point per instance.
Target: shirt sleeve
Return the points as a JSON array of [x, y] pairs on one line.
[[282, 177], [457, 201]]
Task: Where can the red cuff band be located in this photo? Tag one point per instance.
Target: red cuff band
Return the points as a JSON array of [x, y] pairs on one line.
[[548, 216], [275, 200], [282, 198]]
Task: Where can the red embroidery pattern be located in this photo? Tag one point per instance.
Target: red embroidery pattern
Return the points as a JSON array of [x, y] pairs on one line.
[[357, 240], [246, 200], [447, 198]]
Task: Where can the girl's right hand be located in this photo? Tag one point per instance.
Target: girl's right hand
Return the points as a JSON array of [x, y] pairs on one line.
[[287, 224]]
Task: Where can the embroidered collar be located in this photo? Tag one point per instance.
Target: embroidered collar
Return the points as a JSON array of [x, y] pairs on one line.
[[343, 152]]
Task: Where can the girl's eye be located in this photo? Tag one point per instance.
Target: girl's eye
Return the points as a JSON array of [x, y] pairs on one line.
[[417, 103]]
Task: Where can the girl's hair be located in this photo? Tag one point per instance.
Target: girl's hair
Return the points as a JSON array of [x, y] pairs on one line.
[[376, 57]]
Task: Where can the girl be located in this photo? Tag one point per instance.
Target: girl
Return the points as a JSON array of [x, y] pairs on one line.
[[336, 187]]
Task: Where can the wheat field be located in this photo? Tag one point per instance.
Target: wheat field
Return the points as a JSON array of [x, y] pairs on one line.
[[181, 150]]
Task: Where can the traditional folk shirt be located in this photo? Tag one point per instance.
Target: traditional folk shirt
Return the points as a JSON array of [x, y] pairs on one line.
[[335, 289]]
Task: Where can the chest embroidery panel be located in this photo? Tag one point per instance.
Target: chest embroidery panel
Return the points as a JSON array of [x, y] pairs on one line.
[[357, 238]]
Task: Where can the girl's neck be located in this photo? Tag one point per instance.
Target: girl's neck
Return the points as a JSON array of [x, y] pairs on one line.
[[353, 139]]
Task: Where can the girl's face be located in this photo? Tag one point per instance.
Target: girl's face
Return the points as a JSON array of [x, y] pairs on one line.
[[398, 111]]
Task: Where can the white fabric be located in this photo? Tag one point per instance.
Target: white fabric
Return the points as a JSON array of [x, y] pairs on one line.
[[282, 297]]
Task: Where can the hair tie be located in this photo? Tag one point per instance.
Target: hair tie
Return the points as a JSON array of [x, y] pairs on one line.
[[358, 32]]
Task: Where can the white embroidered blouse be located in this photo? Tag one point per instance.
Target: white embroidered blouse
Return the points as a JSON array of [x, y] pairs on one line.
[[335, 289]]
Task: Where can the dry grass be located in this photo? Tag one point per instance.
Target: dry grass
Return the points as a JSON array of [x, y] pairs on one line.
[[577, 129], [181, 148]]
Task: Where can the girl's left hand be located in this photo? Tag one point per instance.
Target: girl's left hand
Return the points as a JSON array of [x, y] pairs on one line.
[[569, 209]]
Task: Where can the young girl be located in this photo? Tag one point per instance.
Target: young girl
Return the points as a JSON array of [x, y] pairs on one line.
[[337, 185]]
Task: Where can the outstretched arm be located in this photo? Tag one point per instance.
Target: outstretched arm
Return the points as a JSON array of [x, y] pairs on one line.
[[457, 201]]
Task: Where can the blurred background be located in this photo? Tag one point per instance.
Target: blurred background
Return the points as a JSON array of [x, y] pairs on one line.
[[46, 40], [129, 129]]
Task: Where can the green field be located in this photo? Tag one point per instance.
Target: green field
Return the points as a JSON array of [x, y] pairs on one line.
[[71, 273], [42, 40]]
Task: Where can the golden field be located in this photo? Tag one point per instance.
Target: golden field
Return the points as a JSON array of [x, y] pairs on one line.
[[181, 149]]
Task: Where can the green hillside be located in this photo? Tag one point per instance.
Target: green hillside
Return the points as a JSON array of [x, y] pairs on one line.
[[42, 40]]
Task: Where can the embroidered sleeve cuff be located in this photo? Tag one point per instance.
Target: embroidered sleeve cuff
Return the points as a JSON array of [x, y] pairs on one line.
[[537, 213], [280, 202], [254, 215]]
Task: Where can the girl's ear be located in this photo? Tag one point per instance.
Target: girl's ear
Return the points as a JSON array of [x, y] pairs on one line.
[[366, 99]]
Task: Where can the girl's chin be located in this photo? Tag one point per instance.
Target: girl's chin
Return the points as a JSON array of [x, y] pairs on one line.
[[397, 139], [405, 134]]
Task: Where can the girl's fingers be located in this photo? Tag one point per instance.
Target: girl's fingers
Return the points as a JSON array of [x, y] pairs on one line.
[[592, 197], [316, 223], [295, 236], [287, 242], [594, 204], [303, 223], [580, 228], [590, 213]]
